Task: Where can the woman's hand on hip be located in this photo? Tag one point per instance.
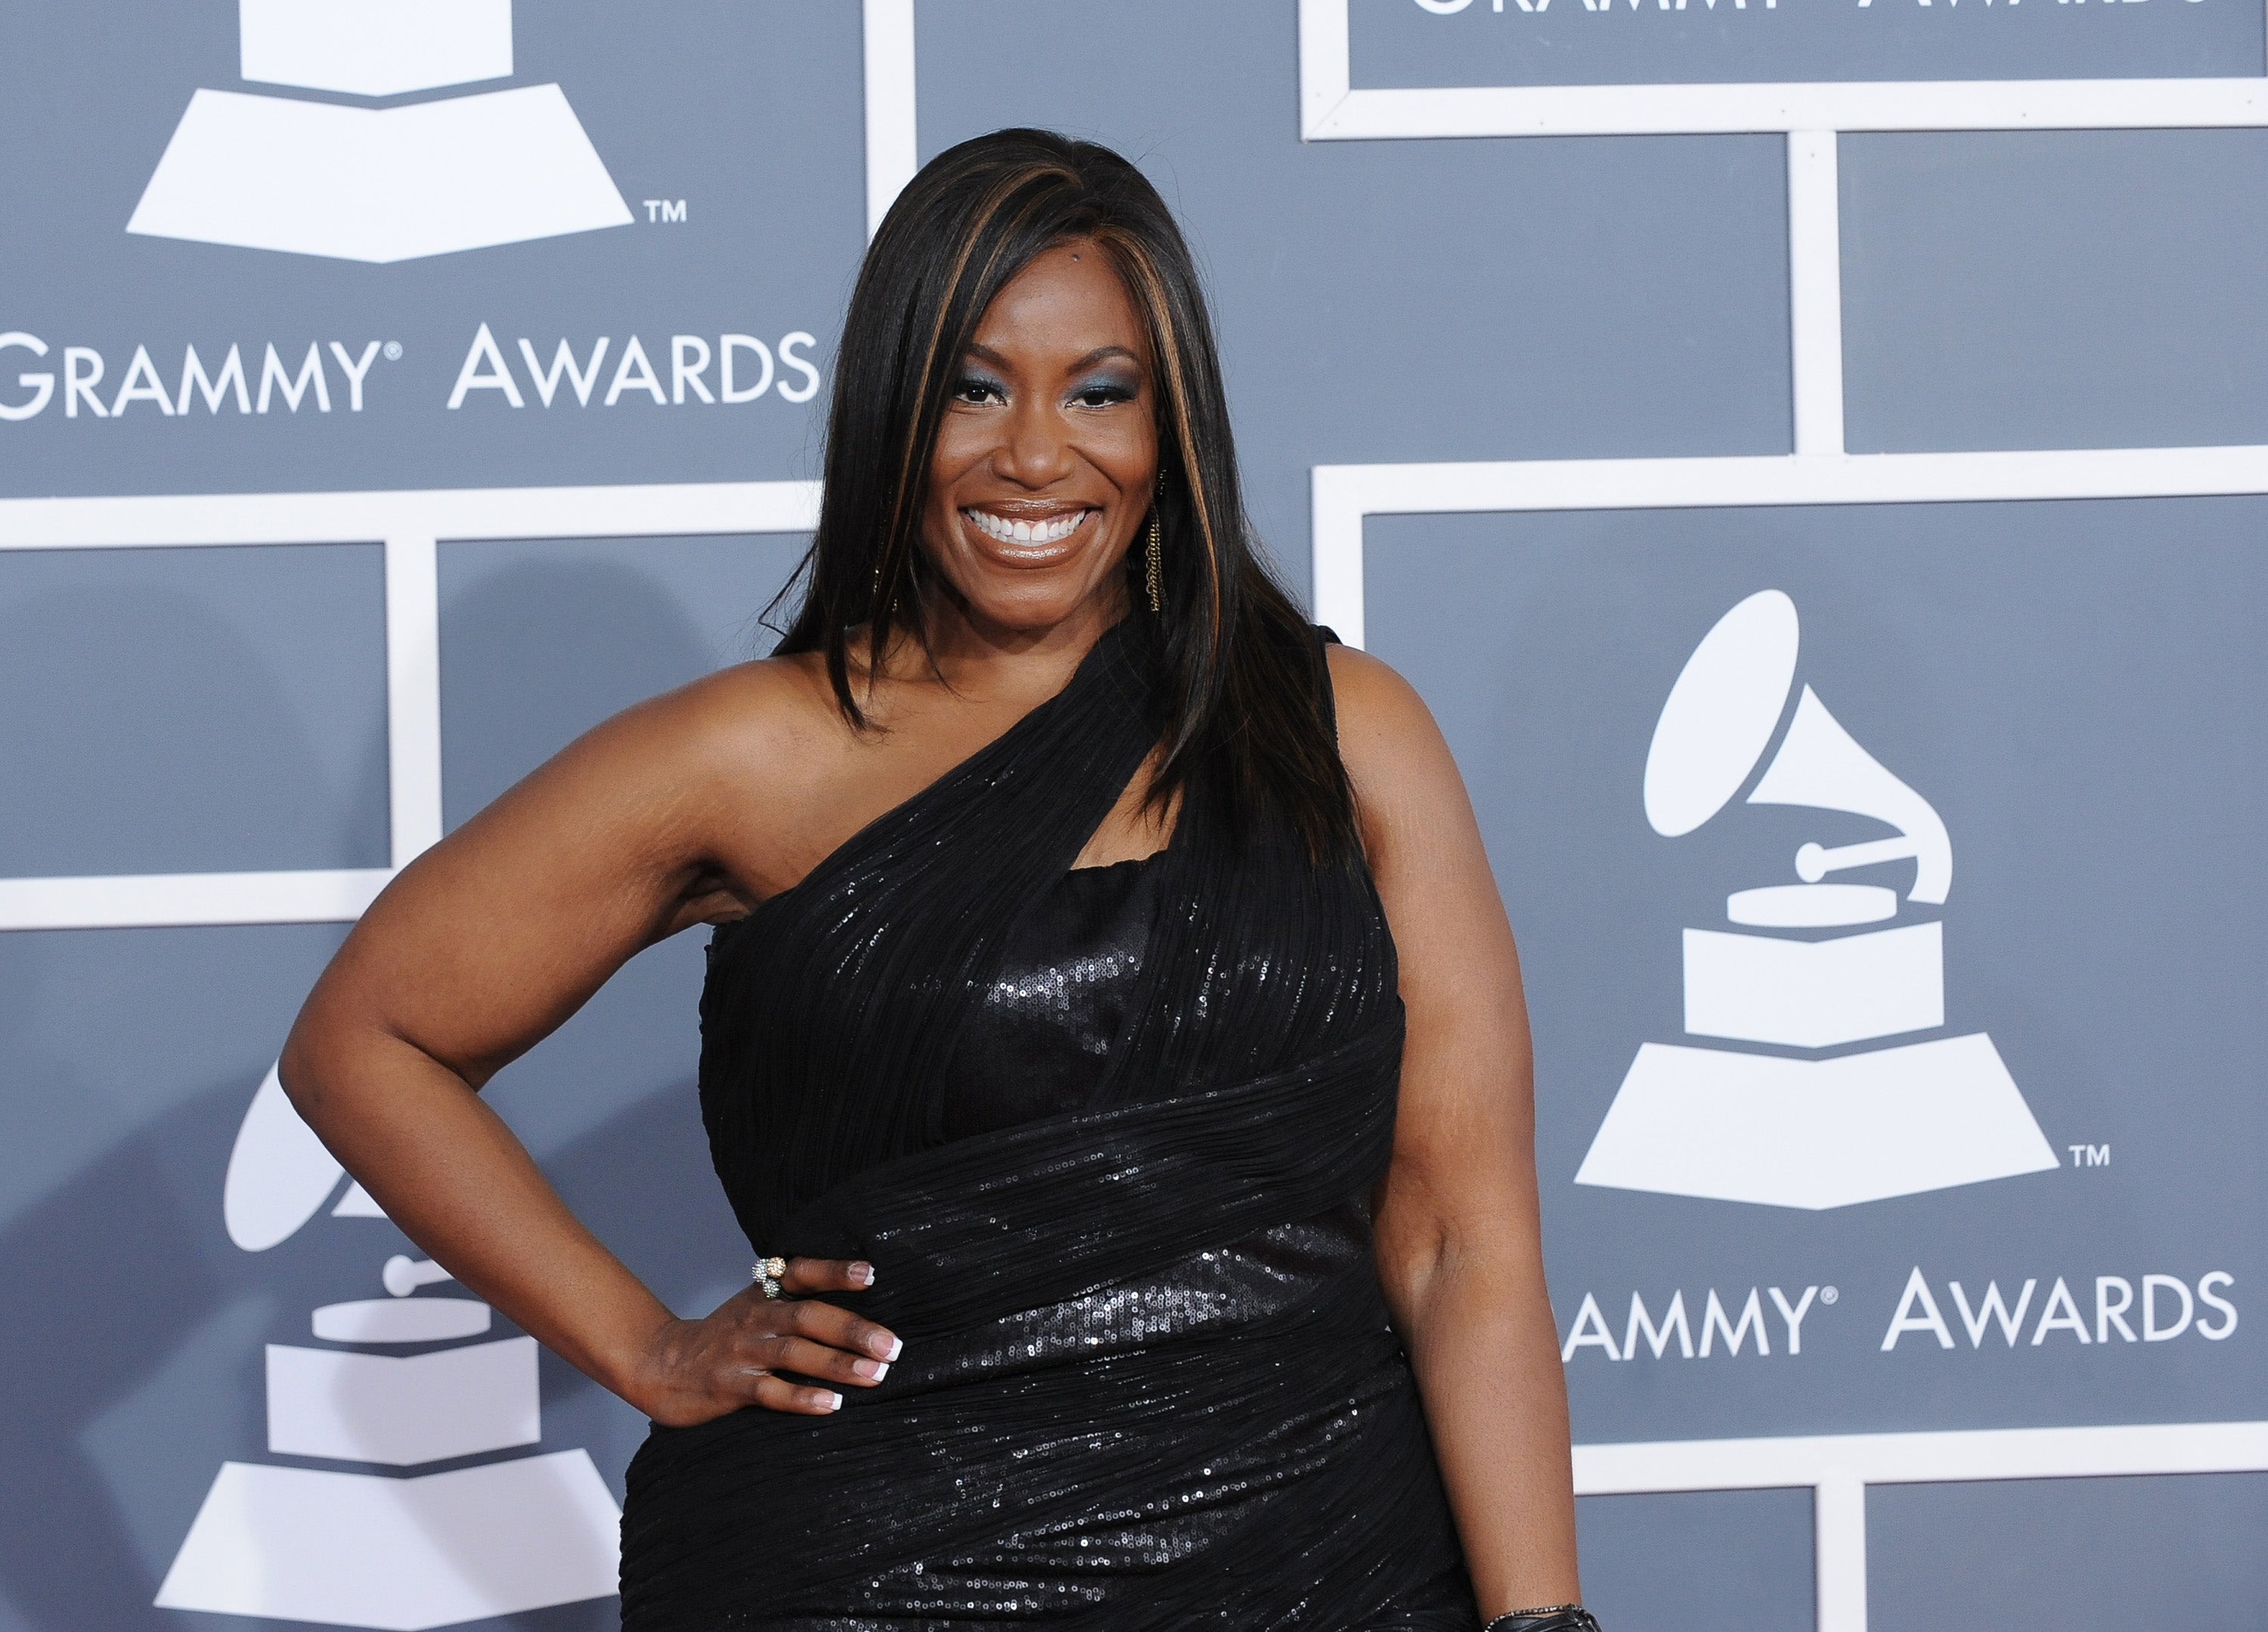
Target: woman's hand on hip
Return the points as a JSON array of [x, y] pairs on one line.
[[698, 1370]]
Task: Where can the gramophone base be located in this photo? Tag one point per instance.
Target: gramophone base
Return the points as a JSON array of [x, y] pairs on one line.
[[398, 1554], [378, 184], [1815, 1134]]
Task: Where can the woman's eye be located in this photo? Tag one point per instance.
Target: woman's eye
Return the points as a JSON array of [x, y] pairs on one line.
[[1102, 393], [975, 388]]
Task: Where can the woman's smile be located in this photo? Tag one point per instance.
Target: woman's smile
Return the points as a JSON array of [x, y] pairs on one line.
[[1042, 530]]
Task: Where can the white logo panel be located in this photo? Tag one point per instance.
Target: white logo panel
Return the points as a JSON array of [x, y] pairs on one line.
[[1735, 1125]]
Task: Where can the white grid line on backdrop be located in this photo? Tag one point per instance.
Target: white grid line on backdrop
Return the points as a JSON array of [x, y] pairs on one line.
[[893, 145], [1331, 110], [1342, 497], [1837, 1469], [412, 526], [1810, 115]]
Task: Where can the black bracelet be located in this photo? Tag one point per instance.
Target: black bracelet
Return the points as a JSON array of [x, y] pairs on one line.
[[1551, 1618]]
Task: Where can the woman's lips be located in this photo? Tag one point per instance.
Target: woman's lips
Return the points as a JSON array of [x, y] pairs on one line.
[[1041, 530]]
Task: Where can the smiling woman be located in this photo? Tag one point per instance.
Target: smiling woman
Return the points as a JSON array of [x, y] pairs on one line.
[[1029, 330], [1109, 996]]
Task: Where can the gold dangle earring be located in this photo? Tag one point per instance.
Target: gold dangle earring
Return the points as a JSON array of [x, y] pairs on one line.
[[1154, 554]]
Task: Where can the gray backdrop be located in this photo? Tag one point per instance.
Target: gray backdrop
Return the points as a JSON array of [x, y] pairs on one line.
[[2078, 688]]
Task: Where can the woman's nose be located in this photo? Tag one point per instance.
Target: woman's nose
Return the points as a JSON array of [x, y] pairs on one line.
[[1035, 450]]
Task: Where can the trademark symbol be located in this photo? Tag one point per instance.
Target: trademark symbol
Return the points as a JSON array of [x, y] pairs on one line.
[[665, 210], [393, 351], [1828, 1295], [2090, 1154]]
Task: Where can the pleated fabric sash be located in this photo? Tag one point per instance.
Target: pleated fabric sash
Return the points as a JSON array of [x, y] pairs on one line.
[[832, 1012], [982, 1228]]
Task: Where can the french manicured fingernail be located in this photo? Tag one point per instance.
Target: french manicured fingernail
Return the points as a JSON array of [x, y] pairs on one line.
[[862, 1273], [888, 1348], [833, 1402], [876, 1369]]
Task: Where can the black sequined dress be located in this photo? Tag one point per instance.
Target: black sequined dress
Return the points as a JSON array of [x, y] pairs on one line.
[[1108, 1138]]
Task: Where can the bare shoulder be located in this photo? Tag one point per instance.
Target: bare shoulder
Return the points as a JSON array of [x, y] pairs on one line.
[[1409, 798], [712, 765], [1387, 734], [770, 712], [751, 713], [1460, 972]]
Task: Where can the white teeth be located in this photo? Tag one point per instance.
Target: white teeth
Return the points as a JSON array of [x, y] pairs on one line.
[[1050, 532]]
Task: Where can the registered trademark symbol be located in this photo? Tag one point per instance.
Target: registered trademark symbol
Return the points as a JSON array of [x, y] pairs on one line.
[[393, 351], [1828, 1294]]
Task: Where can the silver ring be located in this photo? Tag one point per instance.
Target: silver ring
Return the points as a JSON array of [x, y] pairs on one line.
[[767, 1274]]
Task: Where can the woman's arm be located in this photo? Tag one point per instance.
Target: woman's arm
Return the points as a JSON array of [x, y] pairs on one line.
[[1459, 1246], [481, 948]]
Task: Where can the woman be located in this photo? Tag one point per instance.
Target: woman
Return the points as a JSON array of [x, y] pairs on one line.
[[1071, 904]]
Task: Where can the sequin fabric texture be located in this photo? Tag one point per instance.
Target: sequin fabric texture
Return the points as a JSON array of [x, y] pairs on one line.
[[1118, 1207], [1043, 1027]]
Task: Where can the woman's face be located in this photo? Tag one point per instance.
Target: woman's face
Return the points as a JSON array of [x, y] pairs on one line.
[[1047, 458]]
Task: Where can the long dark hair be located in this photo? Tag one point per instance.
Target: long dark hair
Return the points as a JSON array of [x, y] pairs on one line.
[[1243, 697]]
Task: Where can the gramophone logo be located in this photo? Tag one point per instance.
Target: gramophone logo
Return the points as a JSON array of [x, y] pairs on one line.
[[368, 1546], [387, 184], [1797, 972]]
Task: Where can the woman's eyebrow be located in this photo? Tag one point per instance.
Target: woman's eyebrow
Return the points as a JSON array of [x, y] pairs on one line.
[[985, 354]]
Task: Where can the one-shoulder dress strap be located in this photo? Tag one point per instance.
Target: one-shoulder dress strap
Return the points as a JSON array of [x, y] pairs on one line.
[[1326, 637]]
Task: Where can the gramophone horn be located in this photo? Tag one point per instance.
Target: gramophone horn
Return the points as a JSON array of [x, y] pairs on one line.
[[279, 1172], [1720, 715]]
